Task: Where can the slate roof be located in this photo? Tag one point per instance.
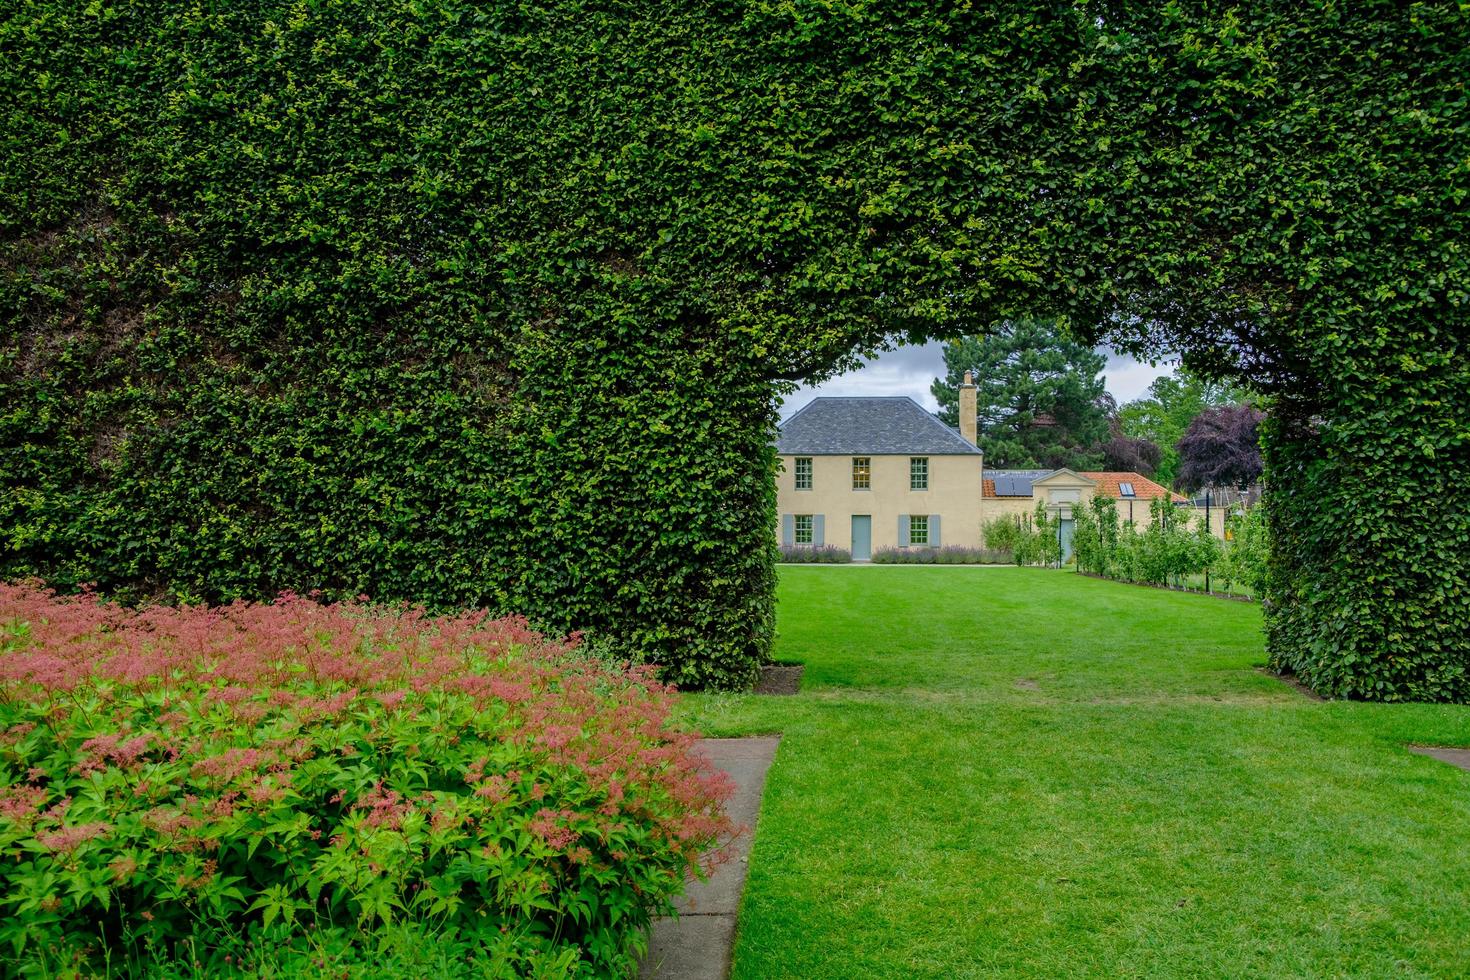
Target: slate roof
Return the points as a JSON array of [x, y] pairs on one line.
[[896, 426], [1011, 483]]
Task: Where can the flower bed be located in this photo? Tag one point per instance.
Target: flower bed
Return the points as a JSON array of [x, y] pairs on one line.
[[818, 554], [295, 787], [948, 555]]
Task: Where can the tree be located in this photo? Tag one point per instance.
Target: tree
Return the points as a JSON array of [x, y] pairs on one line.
[[1165, 412], [1131, 455], [1040, 399], [1221, 448]]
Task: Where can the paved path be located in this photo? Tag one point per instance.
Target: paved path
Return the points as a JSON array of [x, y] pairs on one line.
[[697, 944], [1455, 757]]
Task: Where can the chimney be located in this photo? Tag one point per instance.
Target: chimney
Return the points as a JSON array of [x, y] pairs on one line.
[[967, 408]]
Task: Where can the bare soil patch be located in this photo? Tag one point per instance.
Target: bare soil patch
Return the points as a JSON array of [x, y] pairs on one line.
[[1171, 588], [780, 679]]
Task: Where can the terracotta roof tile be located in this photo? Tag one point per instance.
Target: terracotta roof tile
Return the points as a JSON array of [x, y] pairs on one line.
[[1143, 487]]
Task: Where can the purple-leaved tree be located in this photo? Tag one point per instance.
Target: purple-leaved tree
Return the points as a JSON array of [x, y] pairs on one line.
[[1221, 448], [1130, 455]]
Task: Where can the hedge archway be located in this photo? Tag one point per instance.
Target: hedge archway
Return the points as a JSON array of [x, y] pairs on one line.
[[487, 303]]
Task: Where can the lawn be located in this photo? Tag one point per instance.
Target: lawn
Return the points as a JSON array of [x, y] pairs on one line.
[[1024, 772]]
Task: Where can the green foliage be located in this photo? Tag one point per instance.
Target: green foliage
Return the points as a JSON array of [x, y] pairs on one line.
[[1165, 552], [239, 788], [1002, 534], [1040, 395], [486, 304], [1172, 402], [1031, 539], [1095, 532], [1368, 580], [1244, 562]]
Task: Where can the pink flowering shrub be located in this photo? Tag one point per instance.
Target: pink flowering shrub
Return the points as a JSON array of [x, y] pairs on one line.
[[255, 780]]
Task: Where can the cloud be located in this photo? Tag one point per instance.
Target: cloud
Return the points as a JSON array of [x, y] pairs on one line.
[[908, 370], [911, 370], [1130, 379]]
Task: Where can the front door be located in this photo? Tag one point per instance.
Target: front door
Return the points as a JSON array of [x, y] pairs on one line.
[[862, 537], [1066, 536]]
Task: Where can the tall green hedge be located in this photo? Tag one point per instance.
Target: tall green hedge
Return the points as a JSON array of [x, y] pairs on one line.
[[486, 303]]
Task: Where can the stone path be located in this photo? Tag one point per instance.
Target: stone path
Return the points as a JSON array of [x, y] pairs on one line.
[[697, 944], [1455, 757]]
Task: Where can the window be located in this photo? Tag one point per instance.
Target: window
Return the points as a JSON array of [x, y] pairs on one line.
[[1125, 489], [862, 473], [803, 529], [919, 529], [803, 472], [918, 472]]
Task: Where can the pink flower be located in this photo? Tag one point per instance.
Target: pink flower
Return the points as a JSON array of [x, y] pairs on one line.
[[21, 802], [548, 825], [68, 839], [385, 807], [105, 749]]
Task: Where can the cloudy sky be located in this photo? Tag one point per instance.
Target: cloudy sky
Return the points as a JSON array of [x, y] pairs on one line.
[[910, 371]]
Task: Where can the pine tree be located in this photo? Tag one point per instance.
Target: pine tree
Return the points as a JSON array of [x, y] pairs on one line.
[[1041, 400]]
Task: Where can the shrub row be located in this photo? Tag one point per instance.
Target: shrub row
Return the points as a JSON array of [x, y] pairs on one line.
[[1168, 551], [1164, 552], [947, 555], [291, 787]]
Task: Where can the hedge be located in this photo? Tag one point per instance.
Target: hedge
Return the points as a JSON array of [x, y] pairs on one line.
[[487, 305]]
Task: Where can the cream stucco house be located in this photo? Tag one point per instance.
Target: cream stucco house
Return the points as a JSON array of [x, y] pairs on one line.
[[869, 473]]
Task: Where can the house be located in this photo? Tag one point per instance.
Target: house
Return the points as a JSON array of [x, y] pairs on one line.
[[869, 473]]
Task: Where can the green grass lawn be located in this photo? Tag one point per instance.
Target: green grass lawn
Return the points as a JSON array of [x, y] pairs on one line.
[[1024, 772]]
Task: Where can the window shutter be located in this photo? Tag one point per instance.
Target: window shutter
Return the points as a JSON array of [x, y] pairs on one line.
[[819, 529], [788, 529], [903, 530], [934, 530]]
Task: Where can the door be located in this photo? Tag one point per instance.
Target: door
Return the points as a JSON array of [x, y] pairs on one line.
[[1066, 536], [862, 537]]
